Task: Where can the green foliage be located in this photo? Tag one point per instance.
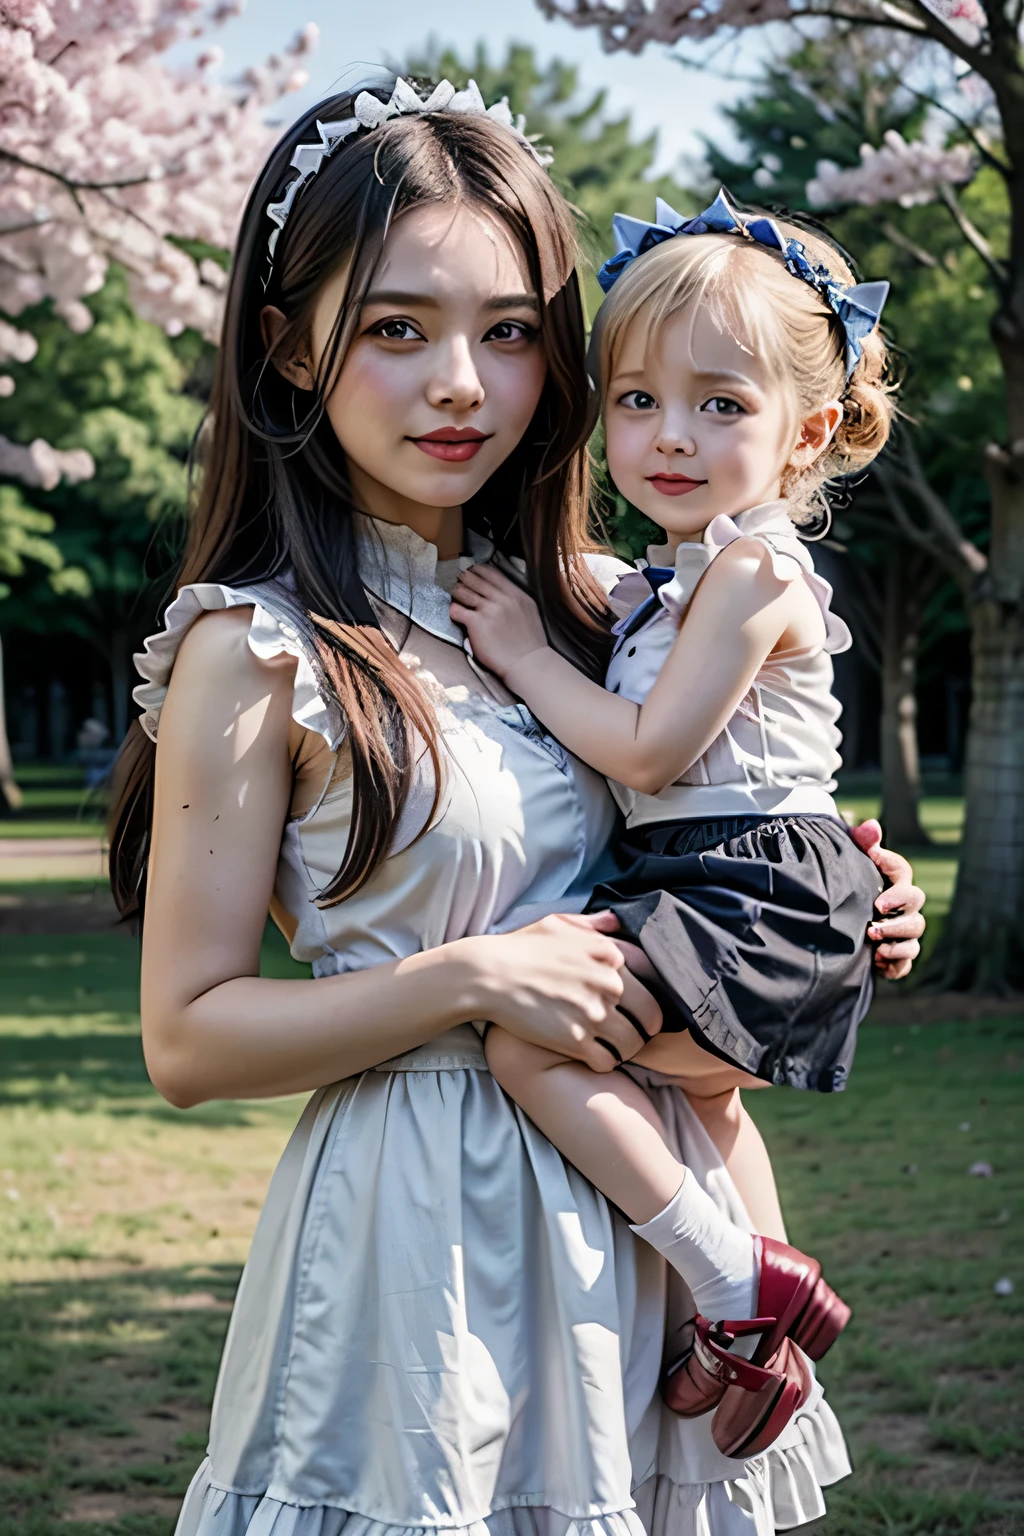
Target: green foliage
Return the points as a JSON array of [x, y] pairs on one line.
[[832, 94], [24, 535], [121, 391]]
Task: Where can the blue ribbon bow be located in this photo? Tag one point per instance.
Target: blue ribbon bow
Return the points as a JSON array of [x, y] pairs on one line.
[[858, 308]]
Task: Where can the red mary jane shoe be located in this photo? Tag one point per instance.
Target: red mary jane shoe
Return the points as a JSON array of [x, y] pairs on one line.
[[804, 1307], [800, 1314], [754, 1403]]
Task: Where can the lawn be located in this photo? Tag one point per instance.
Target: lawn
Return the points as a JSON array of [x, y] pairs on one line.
[[124, 1223]]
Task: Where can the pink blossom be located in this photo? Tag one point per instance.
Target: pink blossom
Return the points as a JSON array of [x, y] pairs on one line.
[[39, 464], [109, 150], [630, 25], [897, 173]]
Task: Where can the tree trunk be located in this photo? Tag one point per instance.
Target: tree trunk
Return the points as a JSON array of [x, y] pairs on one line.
[[10, 794], [982, 947], [901, 776]]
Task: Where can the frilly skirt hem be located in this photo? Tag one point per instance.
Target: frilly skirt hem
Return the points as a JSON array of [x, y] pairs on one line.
[[778, 1491]]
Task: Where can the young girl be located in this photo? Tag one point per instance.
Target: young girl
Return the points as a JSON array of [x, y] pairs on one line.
[[740, 369]]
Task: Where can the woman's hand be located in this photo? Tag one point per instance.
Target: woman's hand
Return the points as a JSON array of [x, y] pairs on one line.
[[900, 924], [562, 984], [501, 620]]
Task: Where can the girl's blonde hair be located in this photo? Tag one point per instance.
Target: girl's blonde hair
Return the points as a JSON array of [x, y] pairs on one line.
[[749, 294]]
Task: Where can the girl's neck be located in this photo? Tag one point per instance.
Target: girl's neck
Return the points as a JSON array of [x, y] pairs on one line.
[[440, 526], [696, 535]]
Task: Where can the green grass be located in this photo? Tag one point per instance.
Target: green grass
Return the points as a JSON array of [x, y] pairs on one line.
[[122, 1244], [928, 1380], [124, 1224], [57, 804]]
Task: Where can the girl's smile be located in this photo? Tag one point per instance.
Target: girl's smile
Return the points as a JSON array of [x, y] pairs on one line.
[[674, 485]]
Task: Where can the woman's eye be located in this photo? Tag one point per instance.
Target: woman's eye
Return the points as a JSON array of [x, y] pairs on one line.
[[512, 330], [638, 400], [721, 405], [397, 330]]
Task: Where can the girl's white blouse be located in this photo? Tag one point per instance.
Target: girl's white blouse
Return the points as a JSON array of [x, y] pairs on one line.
[[779, 752], [442, 1327]]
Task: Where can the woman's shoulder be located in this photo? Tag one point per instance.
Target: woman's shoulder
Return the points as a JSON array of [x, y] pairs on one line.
[[216, 649], [217, 638]]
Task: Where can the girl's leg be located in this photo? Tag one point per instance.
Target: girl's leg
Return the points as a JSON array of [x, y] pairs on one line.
[[725, 1118], [603, 1123], [608, 1128], [712, 1090]]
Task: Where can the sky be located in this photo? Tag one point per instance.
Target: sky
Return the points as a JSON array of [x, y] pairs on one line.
[[658, 92]]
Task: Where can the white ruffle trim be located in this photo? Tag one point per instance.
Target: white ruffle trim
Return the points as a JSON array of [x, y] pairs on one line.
[[212, 1511], [269, 636], [789, 558], [777, 1491], [772, 526]]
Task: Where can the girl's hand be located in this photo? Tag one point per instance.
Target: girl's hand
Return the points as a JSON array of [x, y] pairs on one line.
[[561, 983], [501, 620], [897, 936]]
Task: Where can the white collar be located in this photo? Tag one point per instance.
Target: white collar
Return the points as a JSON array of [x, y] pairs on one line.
[[402, 569]]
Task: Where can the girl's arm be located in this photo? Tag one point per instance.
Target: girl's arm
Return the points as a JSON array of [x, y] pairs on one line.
[[211, 1026], [739, 612]]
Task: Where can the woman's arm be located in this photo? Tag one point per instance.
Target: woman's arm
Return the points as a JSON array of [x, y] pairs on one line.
[[739, 612], [212, 1028]]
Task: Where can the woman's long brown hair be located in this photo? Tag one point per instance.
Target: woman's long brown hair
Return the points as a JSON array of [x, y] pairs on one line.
[[273, 495]]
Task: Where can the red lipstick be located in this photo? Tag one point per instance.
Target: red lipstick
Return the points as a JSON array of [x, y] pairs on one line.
[[456, 444], [674, 485]]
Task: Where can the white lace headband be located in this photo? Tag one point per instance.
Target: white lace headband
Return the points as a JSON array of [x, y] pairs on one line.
[[369, 112]]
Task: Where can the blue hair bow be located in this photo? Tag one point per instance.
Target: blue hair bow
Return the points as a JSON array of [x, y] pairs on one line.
[[858, 308]]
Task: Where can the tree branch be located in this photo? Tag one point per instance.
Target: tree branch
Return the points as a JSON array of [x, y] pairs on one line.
[[69, 182], [983, 150], [975, 239], [940, 33], [945, 540], [925, 258]]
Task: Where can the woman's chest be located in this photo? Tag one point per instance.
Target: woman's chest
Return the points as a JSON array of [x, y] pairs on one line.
[[511, 818]]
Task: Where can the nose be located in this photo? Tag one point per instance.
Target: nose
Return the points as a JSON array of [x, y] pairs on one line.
[[455, 382], [675, 437]]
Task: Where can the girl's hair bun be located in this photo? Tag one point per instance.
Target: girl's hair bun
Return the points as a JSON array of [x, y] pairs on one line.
[[868, 410]]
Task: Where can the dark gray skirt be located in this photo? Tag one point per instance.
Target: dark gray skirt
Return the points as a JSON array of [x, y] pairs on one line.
[[756, 927]]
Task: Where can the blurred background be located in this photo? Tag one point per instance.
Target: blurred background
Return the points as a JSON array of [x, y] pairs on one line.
[[128, 140]]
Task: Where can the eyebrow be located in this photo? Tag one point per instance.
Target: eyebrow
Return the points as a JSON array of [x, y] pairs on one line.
[[703, 375], [426, 301]]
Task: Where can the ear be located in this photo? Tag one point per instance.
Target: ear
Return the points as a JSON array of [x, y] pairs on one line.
[[296, 370], [816, 432]]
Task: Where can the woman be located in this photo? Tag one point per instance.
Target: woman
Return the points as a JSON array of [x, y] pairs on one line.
[[441, 1325]]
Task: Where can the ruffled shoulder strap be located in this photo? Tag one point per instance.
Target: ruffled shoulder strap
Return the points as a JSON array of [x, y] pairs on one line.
[[791, 559], [278, 627], [607, 570]]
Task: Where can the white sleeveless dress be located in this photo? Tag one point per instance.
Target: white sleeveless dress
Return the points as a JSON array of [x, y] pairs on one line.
[[442, 1327]]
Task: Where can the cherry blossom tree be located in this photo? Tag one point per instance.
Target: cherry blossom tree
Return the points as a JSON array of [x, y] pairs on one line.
[[108, 152], [972, 78], [111, 152]]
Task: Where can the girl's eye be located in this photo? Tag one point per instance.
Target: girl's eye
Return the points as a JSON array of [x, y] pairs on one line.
[[721, 405], [638, 400], [397, 330], [512, 330]]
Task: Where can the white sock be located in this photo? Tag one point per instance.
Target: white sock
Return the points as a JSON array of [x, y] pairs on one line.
[[715, 1258]]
